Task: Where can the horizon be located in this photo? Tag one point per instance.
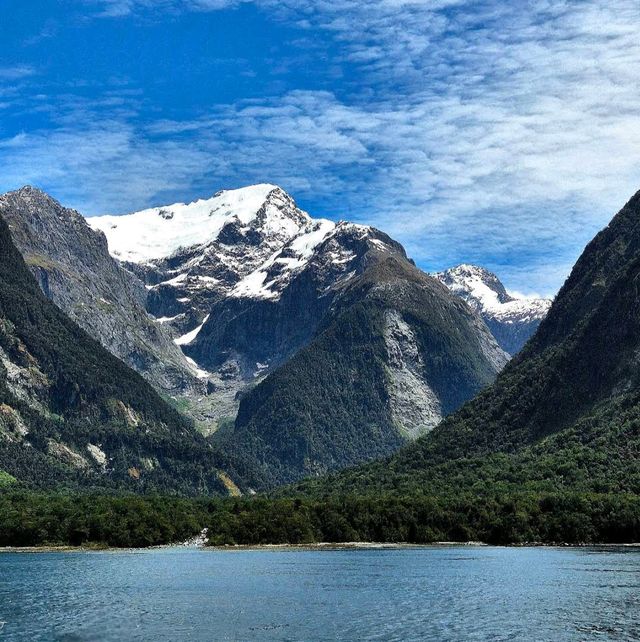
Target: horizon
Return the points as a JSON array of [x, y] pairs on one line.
[[470, 132]]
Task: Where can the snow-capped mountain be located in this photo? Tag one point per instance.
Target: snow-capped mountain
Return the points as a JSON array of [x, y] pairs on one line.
[[325, 330], [242, 279], [512, 320], [192, 254]]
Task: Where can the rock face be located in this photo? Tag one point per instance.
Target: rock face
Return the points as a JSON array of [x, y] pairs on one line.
[[415, 407], [511, 320], [72, 265], [73, 414]]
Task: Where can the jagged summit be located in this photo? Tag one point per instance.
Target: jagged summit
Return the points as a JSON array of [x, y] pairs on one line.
[[37, 201], [229, 215], [482, 287], [31, 189], [512, 320]]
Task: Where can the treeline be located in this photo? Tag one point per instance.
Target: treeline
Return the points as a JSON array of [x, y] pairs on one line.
[[29, 519]]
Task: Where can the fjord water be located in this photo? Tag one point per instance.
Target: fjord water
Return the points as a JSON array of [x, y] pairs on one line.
[[439, 593]]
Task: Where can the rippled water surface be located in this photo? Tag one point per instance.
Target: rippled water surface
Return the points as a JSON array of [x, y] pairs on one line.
[[457, 593]]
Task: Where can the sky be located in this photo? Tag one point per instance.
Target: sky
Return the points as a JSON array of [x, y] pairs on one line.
[[504, 134]]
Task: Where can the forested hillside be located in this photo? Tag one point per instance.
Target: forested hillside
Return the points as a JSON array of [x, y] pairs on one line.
[[73, 414], [565, 413], [396, 353]]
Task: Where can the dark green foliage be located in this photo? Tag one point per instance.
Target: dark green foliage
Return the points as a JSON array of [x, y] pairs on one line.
[[28, 519], [328, 406], [563, 415]]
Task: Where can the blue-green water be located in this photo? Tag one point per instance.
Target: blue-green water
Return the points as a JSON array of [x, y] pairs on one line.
[[457, 593]]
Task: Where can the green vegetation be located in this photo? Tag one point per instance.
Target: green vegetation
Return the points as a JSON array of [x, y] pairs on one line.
[[564, 415], [34, 519], [6, 479], [549, 453], [29, 519], [67, 392]]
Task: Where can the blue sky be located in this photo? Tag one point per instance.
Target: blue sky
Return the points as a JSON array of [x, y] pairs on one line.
[[502, 134]]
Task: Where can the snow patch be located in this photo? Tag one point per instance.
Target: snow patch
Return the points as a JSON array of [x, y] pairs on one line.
[[253, 286], [200, 373], [163, 320], [186, 339], [176, 280]]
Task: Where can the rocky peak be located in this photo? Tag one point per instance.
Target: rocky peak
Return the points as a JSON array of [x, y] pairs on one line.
[[39, 206], [229, 217], [479, 287], [73, 267], [512, 320]]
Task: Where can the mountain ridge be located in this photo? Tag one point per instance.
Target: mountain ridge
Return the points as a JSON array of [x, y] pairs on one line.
[[72, 264], [254, 285], [255, 297], [72, 414]]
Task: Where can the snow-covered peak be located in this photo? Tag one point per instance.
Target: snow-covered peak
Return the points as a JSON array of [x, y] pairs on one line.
[[159, 232], [484, 292], [479, 287]]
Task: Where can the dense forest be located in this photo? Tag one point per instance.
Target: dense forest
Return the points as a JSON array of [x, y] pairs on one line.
[[329, 406], [28, 519]]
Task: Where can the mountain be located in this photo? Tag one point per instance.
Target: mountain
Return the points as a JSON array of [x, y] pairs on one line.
[[72, 414], [512, 320], [393, 355], [246, 279], [564, 413], [72, 264], [259, 294], [222, 304], [201, 258]]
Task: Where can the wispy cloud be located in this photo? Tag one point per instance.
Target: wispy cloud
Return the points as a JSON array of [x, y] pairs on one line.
[[478, 131], [17, 72], [120, 8]]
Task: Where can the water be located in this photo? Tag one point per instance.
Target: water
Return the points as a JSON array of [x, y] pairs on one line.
[[457, 593]]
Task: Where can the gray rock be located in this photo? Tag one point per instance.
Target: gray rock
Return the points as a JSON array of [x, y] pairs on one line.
[[72, 264]]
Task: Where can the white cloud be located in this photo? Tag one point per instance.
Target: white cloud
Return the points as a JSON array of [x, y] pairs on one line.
[[477, 131], [16, 72], [102, 167], [120, 8]]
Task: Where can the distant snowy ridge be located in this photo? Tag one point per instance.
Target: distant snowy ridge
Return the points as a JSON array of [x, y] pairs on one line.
[[484, 292]]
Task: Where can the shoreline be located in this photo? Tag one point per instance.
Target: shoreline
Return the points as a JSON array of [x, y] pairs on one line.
[[317, 546]]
